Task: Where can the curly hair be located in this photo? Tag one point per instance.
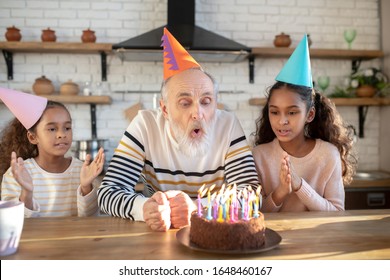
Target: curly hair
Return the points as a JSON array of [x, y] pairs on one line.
[[327, 125], [14, 138]]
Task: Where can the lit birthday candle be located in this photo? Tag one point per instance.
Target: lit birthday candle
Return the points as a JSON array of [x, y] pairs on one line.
[[237, 204], [215, 207], [209, 195], [225, 202], [220, 210], [250, 201], [256, 204], [260, 197], [243, 204], [200, 194], [209, 216], [231, 208]]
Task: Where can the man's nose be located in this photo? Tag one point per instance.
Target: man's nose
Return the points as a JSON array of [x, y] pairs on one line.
[[197, 113]]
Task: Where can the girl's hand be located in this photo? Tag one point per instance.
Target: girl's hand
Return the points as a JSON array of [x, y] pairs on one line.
[[24, 179], [280, 194], [295, 180], [284, 175], [90, 170], [20, 173]]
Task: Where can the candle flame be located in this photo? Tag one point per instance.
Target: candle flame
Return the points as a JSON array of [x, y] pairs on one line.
[[201, 189]]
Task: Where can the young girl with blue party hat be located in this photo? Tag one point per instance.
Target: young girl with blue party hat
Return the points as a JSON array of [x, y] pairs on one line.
[[304, 151]]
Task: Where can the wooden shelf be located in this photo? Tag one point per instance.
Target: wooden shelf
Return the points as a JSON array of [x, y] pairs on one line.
[[339, 101], [79, 99], [8, 48], [320, 53], [56, 47]]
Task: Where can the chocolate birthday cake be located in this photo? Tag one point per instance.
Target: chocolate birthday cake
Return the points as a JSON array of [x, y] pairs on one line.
[[238, 235], [231, 221]]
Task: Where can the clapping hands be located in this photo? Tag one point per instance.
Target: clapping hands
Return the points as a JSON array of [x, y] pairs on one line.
[[289, 179], [90, 170]]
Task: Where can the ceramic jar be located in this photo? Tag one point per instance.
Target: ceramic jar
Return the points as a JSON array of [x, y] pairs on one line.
[[43, 86], [69, 88], [13, 34], [282, 40], [48, 35], [88, 36]]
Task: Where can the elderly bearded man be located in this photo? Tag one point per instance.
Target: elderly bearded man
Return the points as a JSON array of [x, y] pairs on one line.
[[188, 142]]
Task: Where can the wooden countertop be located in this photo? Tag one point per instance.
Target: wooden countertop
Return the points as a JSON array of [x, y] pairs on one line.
[[355, 234]]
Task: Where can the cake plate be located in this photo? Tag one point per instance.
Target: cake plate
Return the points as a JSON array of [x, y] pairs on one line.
[[272, 239]]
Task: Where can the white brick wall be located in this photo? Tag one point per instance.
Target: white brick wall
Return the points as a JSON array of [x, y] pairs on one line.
[[250, 22]]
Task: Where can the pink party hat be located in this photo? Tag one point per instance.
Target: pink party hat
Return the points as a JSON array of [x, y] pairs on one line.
[[27, 108], [176, 58], [297, 70]]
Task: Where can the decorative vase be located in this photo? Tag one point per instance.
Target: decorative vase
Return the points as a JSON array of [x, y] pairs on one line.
[[69, 88], [13, 34], [43, 86], [365, 91], [48, 35], [282, 40], [88, 36]]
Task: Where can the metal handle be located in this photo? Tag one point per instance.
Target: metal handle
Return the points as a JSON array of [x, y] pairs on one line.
[[376, 199]]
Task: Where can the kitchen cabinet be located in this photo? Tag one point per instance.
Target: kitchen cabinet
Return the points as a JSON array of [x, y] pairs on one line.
[[368, 190], [9, 48], [367, 198]]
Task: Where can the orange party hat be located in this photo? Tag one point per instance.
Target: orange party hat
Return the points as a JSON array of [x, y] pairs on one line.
[[176, 58], [27, 108]]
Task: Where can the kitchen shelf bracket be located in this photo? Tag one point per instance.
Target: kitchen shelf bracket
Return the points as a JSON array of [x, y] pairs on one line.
[[251, 62], [355, 65], [93, 121], [362, 110], [8, 56], [103, 56]]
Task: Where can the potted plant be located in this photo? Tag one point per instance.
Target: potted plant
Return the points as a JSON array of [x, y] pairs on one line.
[[368, 82]]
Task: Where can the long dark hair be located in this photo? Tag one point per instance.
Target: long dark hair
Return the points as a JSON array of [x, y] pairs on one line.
[[14, 138], [326, 125]]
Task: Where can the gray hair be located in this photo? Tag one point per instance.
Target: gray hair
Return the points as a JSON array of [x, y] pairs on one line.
[[164, 91]]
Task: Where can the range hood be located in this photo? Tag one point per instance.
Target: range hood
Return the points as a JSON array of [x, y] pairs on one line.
[[203, 45]]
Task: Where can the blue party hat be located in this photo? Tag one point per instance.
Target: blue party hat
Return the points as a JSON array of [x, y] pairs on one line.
[[297, 70]]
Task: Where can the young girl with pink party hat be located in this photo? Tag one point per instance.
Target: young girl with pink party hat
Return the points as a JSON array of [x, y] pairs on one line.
[[34, 164], [304, 151]]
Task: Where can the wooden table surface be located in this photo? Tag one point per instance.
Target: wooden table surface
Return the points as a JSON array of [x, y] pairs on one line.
[[356, 234]]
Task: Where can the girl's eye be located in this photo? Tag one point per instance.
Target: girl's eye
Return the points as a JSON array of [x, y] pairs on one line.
[[273, 112], [68, 128], [51, 129], [293, 113]]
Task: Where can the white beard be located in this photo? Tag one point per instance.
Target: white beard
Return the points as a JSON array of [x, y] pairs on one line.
[[193, 147]]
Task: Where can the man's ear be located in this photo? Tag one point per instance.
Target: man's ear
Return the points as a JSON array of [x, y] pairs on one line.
[[310, 115], [32, 138], [164, 109]]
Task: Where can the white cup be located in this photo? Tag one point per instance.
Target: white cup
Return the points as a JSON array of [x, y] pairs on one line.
[[11, 226]]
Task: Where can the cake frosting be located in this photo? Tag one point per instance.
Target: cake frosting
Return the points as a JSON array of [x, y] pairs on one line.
[[238, 235]]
